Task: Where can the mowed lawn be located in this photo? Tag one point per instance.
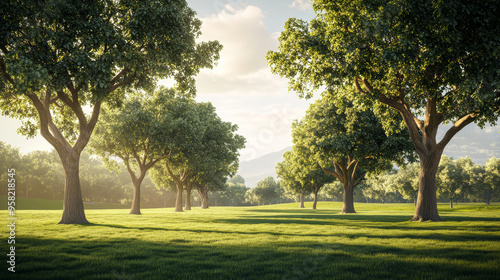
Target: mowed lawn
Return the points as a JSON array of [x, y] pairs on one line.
[[267, 242]]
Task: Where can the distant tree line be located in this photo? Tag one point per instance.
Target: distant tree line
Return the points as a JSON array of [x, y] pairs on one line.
[[41, 175]]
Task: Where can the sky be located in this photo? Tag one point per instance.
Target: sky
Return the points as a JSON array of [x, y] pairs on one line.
[[241, 86]]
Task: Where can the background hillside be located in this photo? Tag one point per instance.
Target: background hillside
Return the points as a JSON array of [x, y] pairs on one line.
[[479, 144]]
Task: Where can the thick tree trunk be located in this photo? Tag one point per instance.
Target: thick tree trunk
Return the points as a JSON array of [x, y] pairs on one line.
[[178, 200], [426, 201], [188, 197], [136, 200], [348, 206], [315, 199], [301, 201], [73, 210], [204, 200]]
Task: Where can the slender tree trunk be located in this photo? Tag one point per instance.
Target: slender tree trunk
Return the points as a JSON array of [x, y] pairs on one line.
[[203, 192], [488, 196], [451, 202], [315, 199], [136, 181], [426, 201], [73, 210], [301, 201], [164, 198], [348, 206], [178, 200], [188, 197], [415, 200], [136, 200]]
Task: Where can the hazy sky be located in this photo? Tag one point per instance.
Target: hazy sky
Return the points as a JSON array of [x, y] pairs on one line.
[[242, 87]]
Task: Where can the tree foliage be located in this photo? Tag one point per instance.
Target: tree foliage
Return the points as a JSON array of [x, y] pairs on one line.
[[56, 57], [431, 61], [348, 142]]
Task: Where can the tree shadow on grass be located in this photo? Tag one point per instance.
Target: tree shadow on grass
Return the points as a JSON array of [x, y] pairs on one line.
[[130, 258]]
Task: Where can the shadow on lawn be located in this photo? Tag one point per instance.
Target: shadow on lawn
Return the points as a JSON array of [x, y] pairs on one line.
[[130, 258], [406, 230]]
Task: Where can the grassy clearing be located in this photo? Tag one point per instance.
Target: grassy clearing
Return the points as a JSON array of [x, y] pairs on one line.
[[269, 242]]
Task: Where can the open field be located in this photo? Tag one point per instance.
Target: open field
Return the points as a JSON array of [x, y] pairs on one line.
[[268, 242]]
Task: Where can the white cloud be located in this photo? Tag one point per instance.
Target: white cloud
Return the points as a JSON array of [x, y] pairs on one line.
[[242, 65], [244, 37], [301, 4], [242, 87]]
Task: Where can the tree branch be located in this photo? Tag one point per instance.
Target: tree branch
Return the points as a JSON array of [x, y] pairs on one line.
[[457, 126]]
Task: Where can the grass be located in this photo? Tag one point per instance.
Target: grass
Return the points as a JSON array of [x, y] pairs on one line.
[[268, 242], [50, 204]]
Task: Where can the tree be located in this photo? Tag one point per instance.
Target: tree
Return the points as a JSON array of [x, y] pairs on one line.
[[287, 171], [56, 57], [406, 182], [208, 156], [433, 62], [381, 186], [352, 141], [333, 190], [43, 175], [492, 176], [452, 178], [266, 191], [142, 132]]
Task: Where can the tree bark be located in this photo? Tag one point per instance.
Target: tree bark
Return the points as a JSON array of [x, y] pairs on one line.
[[315, 199], [188, 197], [348, 206], [136, 181], [451, 202], [426, 200], [73, 210], [488, 196], [178, 200], [204, 200], [345, 172], [136, 200], [301, 201]]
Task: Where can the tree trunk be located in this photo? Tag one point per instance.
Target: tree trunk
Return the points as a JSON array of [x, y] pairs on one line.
[[178, 200], [136, 181], [203, 193], [426, 201], [188, 197], [488, 196], [136, 200], [164, 198], [73, 210], [315, 199], [348, 206], [451, 202], [301, 201], [415, 200]]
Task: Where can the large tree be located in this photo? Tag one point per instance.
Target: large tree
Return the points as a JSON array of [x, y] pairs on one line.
[[433, 62], [348, 142], [57, 58]]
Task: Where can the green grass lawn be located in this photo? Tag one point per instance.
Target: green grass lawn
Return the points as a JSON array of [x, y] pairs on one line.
[[269, 242]]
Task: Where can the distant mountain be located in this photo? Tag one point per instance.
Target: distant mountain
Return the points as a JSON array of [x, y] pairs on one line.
[[478, 144], [260, 168]]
